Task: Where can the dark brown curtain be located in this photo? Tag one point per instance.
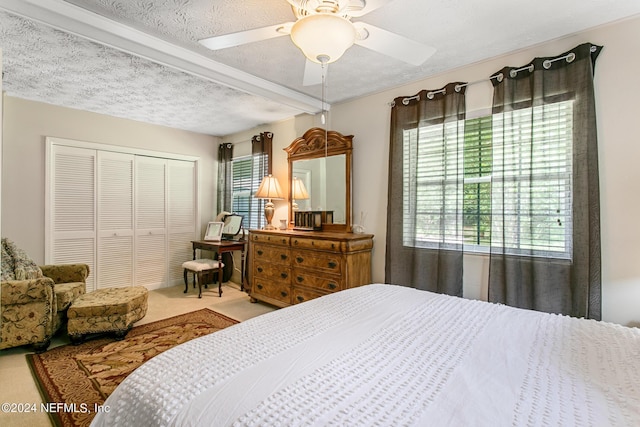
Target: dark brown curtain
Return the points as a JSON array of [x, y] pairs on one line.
[[261, 148], [563, 279], [225, 177], [424, 219], [261, 151]]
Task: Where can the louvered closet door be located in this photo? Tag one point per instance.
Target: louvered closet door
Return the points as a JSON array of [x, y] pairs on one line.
[[72, 208], [151, 221], [182, 216], [115, 220]]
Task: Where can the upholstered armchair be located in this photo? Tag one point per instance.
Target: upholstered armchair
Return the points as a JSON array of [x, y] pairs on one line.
[[34, 300], [28, 309], [69, 282]]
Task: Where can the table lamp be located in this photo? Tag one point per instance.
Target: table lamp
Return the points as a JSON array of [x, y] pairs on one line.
[[269, 189]]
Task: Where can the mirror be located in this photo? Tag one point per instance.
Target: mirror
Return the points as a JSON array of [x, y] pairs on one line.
[[324, 180], [232, 226], [324, 170]]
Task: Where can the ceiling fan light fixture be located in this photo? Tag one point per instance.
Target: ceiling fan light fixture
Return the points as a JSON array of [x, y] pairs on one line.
[[323, 36]]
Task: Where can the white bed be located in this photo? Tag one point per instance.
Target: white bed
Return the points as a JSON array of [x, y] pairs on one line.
[[383, 355]]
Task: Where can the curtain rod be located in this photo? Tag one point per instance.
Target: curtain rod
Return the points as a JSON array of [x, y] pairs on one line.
[[431, 94], [248, 141], [569, 57]]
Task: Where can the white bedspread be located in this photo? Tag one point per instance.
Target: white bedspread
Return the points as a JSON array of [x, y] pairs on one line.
[[383, 355]]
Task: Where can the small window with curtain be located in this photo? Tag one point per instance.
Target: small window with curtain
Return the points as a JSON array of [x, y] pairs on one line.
[[530, 186], [239, 178]]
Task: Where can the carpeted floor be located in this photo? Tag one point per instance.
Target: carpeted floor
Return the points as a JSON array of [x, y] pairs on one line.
[[17, 385], [84, 376]]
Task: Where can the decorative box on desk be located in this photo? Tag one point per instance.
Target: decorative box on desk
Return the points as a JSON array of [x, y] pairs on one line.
[[289, 266]]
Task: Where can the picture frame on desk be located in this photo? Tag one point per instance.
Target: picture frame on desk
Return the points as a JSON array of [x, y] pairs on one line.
[[214, 231]]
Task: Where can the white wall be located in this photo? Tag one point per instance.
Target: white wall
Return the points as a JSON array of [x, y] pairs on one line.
[[617, 86], [27, 123]]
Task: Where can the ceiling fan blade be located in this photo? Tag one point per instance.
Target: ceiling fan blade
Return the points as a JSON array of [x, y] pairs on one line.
[[249, 36], [357, 8], [312, 73], [391, 44]]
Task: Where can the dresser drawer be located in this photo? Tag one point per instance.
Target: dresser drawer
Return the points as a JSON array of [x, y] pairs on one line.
[[302, 295], [273, 239], [273, 289], [291, 266], [324, 283], [270, 270], [317, 260], [273, 254], [316, 244]]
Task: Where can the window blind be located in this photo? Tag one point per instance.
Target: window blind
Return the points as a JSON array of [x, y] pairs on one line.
[[509, 172], [532, 183], [478, 164], [245, 184], [432, 178]]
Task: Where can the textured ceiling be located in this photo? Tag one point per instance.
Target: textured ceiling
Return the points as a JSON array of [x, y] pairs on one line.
[[50, 65]]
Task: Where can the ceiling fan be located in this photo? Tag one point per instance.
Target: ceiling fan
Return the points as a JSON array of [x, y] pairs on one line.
[[324, 31]]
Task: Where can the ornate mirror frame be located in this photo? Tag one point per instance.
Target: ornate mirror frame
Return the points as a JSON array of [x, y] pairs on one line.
[[317, 143]]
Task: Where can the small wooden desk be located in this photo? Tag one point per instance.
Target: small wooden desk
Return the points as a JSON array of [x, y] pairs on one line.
[[219, 247]]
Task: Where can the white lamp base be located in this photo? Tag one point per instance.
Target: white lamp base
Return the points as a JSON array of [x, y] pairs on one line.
[[269, 210]]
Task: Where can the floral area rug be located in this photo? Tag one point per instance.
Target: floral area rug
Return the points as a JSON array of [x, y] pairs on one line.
[[76, 380]]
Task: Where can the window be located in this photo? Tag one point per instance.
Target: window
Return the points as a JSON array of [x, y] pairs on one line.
[[246, 180], [478, 162], [431, 181], [532, 185], [525, 196]]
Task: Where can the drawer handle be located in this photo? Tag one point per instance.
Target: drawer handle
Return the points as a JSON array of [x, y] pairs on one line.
[[283, 257], [259, 269], [333, 264], [284, 241], [259, 286], [260, 252], [332, 285], [300, 298], [333, 246], [295, 242], [284, 275], [300, 259], [300, 279], [283, 293]]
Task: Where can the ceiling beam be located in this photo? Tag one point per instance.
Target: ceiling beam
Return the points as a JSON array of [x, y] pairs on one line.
[[81, 22]]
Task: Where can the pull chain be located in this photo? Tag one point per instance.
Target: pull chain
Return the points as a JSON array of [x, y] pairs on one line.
[[323, 119]]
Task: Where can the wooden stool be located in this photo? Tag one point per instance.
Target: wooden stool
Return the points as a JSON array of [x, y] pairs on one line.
[[200, 267]]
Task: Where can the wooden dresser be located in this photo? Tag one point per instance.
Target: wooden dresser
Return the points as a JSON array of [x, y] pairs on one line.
[[288, 267]]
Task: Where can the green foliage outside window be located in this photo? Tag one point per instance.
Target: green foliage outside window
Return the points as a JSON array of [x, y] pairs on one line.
[[477, 185]]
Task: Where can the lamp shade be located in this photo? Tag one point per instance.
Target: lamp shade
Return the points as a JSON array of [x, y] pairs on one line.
[[269, 188], [298, 190], [323, 37]]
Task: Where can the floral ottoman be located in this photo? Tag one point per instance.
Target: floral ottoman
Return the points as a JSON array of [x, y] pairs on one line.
[[106, 310]]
